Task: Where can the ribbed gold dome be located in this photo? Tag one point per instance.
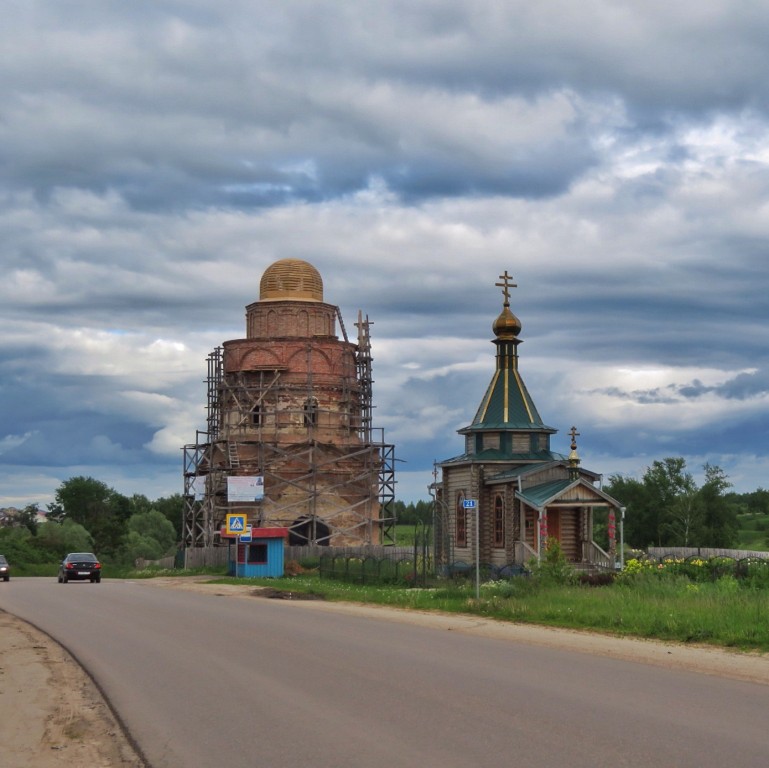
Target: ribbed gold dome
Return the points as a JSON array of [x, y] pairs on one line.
[[507, 325], [291, 279]]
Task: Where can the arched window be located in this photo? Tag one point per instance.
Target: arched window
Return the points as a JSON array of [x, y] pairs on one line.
[[499, 521], [257, 415], [461, 521]]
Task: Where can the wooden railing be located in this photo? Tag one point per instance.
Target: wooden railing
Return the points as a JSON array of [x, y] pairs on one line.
[[593, 554], [523, 553]]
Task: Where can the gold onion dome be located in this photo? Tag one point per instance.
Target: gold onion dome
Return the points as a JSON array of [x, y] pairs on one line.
[[291, 279], [507, 325]]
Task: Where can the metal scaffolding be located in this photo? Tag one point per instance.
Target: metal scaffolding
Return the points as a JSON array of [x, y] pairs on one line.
[[322, 490]]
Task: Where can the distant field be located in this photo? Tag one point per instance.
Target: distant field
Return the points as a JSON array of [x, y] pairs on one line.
[[754, 531]]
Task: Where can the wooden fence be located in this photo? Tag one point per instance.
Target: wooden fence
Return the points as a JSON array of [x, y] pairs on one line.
[[216, 557]]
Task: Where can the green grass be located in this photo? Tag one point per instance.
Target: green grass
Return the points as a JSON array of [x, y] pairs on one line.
[[753, 532], [722, 613], [404, 535]]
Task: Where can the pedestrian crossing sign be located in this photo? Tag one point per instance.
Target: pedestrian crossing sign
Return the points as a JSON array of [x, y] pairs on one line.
[[236, 524]]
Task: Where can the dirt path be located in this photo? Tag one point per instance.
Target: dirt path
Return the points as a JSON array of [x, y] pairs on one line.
[[55, 717]]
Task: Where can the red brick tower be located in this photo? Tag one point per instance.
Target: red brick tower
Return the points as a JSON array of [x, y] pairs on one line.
[[290, 404]]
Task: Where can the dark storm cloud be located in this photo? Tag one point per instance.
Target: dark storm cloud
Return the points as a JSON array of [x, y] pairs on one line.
[[258, 104], [747, 385], [156, 157]]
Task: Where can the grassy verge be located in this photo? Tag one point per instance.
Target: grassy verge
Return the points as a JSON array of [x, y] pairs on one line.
[[725, 612], [721, 613]]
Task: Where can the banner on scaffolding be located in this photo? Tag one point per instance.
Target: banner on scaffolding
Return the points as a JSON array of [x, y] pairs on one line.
[[245, 488]]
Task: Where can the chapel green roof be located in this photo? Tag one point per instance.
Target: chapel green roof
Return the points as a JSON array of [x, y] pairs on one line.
[[494, 454], [507, 404]]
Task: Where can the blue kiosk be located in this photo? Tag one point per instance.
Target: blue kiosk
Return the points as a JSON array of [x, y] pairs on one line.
[[258, 555]]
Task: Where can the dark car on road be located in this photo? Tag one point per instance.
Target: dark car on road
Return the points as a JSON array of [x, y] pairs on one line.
[[5, 569], [80, 565]]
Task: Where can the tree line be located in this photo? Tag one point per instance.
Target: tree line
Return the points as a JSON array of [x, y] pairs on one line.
[[89, 516], [666, 507]]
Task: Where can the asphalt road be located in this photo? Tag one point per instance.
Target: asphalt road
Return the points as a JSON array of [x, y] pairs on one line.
[[205, 680]]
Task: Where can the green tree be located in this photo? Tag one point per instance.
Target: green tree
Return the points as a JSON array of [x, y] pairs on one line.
[[95, 506], [20, 546], [155, 526], [136, 546], [139, 503], [172, 508], [666, 508], [758, 501], [411, 513], [680, 520], [719, 517], [150, 536], [667, 485], [640, 517], [28, 517], [58, 539]]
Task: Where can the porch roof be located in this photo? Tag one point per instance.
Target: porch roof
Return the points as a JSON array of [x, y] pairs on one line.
[[539, 495], [558, 460]]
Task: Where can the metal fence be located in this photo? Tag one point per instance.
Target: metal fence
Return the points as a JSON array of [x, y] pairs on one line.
[[751, 567], [370, 569]]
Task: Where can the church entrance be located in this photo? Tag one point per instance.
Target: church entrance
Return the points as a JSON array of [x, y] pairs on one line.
[[308, 530]]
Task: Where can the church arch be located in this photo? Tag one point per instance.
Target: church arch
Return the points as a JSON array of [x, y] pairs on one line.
[[308, 530]]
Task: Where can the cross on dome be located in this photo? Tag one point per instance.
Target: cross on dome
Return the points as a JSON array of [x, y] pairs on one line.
[[506, 284]]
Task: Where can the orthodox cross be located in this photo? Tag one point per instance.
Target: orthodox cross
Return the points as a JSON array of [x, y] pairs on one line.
[[574, 435], [506, 284]]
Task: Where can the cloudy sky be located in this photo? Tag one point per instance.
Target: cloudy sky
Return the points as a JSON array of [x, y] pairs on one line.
[[157, 155]]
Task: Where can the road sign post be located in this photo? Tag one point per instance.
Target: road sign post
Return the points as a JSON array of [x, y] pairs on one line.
[[472, 504]]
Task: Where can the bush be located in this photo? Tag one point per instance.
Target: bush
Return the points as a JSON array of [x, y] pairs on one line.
[[554, 568], [292, 568], [597, 579]]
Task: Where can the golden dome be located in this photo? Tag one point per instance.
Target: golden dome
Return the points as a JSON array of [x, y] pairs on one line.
[[292, 280], [507, 326]]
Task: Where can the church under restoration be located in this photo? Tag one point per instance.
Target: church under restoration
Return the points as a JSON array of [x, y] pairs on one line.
[[289, 440], [510, 486]]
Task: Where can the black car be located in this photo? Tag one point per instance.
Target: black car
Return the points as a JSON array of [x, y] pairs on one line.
[[80, 565], [5, 569]]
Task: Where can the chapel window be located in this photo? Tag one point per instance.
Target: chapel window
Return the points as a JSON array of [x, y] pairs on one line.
[[461, 521], [499, 521]]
